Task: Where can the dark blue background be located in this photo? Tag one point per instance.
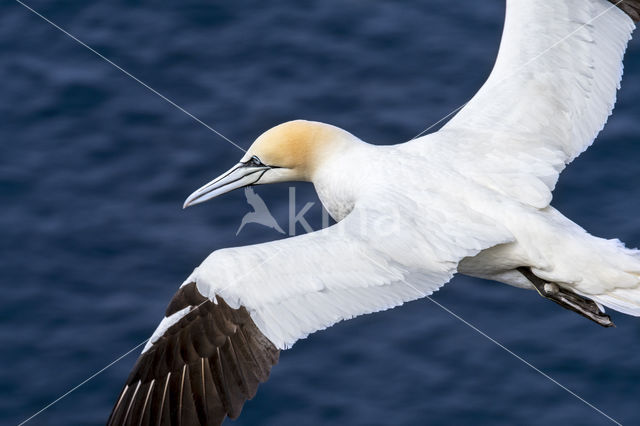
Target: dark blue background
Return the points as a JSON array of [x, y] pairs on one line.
[[94, 169]]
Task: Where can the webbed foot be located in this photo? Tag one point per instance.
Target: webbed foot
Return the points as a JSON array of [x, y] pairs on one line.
[[567, 299]]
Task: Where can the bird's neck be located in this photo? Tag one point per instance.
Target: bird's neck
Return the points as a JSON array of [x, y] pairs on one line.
[[337, 179]]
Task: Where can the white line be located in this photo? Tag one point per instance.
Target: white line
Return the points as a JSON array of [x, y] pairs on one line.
[[224, 137], [520, 68], [131, 76], [85, 381], [462, 319], [441, 120], [145, 341], [522, 359], [512, 353]]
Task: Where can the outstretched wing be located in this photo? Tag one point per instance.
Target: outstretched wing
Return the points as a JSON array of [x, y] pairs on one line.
[[205, 361], [550, 92], [225, 325]]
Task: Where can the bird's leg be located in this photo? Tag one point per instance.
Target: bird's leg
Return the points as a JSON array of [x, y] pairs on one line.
[[567, 299]]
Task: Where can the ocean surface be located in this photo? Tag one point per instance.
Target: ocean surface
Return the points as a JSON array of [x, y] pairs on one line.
[[94, 168]]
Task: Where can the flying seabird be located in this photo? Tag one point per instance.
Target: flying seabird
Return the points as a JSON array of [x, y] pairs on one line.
[[471, 198]]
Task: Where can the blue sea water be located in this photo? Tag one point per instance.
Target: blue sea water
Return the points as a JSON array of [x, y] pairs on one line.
[[93, 241]]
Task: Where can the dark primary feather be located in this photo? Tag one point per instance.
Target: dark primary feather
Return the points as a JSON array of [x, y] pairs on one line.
[[209, 363], [630, 7], [201, 370]]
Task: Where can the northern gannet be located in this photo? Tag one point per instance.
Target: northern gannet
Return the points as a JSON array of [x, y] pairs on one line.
[[471, 198]]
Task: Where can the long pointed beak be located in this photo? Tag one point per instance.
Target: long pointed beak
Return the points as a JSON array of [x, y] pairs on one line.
[[238, 176]]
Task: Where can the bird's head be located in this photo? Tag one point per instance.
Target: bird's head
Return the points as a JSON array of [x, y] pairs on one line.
[[292, 151]]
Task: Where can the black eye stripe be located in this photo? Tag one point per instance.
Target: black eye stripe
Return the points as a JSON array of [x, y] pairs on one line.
[[254, 161]]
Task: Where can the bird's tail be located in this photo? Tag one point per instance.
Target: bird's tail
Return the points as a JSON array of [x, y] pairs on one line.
[[625, 300], [619, 267]]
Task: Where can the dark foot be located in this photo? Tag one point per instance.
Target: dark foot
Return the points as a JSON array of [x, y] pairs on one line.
[[567, 299]]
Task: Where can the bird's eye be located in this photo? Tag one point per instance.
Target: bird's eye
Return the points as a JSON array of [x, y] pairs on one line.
[[255, 161]]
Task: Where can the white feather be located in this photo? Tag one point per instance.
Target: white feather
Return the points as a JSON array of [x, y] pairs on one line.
[[473, 197], [549, 94]]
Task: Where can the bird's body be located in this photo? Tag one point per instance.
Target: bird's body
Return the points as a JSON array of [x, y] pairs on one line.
[[557, 249], [472, 198]]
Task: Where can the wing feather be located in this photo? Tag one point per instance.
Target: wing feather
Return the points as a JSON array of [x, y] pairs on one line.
[[296, 286], [191, 373], [242, 305], [550, 92]]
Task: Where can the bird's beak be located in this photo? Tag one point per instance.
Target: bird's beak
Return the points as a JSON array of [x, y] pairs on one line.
[[240, 175]]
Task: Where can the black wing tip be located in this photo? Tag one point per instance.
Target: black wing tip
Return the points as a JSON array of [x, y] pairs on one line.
[[187, 295], [630, 7], [201, 370]]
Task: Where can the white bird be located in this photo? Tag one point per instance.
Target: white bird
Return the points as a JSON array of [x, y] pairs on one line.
[[471, 198]]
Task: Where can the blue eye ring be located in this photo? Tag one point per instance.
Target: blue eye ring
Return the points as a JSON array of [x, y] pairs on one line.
[[254, 161]]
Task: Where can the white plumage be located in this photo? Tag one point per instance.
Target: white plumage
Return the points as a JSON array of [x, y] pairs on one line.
[[550, 93], [373, 259], [471, 198], [483, 181]]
